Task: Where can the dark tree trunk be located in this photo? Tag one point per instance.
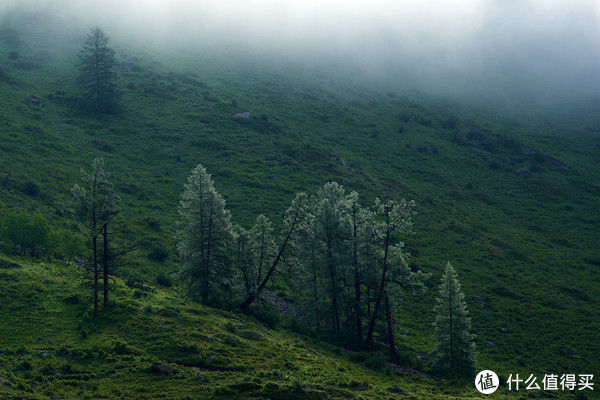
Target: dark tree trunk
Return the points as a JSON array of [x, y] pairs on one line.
[[105, 264], [381, 286], [357, 294], [334, 295], [207, 264], [95, 250], [451, 315], [390, 327], [316, 291]]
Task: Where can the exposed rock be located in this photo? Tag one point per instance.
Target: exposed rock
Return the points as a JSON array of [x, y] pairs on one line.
[[164, 369], [524, 172], [243, 115]]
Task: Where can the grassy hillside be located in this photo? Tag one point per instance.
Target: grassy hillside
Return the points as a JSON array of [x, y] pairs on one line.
[[513, 204], [155, 343]]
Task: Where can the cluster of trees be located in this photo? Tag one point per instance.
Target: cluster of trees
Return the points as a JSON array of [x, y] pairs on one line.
[[344, 265]]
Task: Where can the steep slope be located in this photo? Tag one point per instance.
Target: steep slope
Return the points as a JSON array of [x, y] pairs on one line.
[[154, 343], [512, 204]]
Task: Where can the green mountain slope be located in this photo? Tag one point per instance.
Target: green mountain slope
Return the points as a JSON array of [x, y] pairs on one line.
[[513, 204], [155, 343]]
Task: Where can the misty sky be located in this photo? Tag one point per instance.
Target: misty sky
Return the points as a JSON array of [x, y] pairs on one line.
[[543, 48]]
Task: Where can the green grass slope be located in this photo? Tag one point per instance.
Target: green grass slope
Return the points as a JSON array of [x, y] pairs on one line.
[[154, 343], [513, 204]]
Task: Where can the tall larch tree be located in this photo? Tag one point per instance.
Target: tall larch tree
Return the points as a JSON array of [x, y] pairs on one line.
[[330, 224], [454, 354], [97, 73], [95, 204], [205, 237]]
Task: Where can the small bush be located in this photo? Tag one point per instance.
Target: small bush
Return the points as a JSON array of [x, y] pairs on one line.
[[121, 348], [24, 366], [153, 224], [164, 280]]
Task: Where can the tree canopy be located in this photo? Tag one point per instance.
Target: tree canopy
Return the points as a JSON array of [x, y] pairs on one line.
[[97, 75]]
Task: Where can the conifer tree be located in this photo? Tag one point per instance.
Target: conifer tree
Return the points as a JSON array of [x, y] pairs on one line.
[[452, 329], [97, 72], [331, 227], [205, 237], [95, 204]]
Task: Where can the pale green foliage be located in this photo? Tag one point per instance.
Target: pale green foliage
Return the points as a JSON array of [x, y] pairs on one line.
[[400, 272], [396, 216], [205, 237], [452, 329], [97, 72], [262, 247]]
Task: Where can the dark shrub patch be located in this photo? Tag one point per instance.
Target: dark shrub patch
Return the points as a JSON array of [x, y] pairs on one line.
[[164, 280], [158, 252], [30, 189]]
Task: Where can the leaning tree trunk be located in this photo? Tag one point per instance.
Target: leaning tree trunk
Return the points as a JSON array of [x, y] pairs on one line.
[[254, 295], [390, 327], [357, 290]]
